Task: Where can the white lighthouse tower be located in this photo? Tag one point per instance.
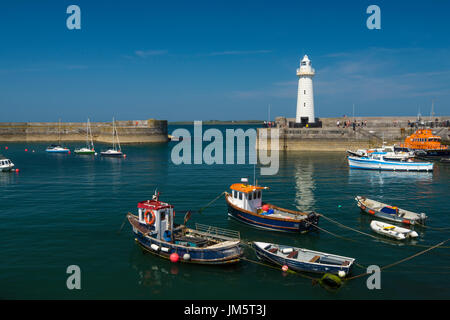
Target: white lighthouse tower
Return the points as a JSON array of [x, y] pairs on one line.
[[305, 97]]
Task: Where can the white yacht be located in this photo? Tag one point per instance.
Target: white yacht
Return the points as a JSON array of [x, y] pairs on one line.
[[115, 151]]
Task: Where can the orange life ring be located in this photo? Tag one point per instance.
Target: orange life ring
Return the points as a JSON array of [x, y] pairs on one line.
[[146, 216]]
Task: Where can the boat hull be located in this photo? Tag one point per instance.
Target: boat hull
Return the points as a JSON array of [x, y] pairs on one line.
[[267, 223], [300, 266], [213, 256], [111, 155], [57, 151], [372, 164]]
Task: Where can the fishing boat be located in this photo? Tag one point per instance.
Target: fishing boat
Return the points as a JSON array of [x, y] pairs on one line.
[[387, 212], [303, 260], [156, 232], [5, 164], [57, 148], [391, 231], [377, 161], [245, 204], [115, 151], [425, 144], [89, 149]]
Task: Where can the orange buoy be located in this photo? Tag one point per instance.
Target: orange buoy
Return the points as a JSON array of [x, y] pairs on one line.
[[285, 268]]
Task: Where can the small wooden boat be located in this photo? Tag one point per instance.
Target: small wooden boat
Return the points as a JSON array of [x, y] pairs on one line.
[[156, 232], [391, 231], [304, 260], [245, 204], [5, 164], [115, 151], [387, 212]]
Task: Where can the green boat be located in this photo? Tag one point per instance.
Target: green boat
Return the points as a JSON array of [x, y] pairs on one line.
[[89, 149]]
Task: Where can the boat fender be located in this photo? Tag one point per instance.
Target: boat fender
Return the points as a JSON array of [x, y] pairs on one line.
[[341, 273], [186, 256], [154, 247], [163, 249], [287, 250], [152, 220]]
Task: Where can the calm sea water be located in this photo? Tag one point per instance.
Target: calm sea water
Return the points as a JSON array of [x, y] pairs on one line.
[[62, 210]]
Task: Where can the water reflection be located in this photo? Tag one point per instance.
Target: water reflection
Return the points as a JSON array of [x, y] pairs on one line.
[[304, 185], [387, 177]]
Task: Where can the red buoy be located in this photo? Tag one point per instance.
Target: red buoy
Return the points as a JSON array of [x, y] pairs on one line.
[[174, 257], [17, 170], [6, 148], [265, 207], [26, 150], [285, 268]]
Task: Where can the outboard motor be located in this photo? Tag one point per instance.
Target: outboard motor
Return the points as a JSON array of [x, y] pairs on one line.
[[313, 218]]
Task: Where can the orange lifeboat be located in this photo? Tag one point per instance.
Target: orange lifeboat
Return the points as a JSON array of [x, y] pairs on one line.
[[423, 139]]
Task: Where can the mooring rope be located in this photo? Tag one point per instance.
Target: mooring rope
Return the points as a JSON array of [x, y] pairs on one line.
[[402, 260], [211, 202]]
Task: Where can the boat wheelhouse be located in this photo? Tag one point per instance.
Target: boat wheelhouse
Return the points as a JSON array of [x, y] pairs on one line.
[[156, 232], [245, 204], [5, 164]]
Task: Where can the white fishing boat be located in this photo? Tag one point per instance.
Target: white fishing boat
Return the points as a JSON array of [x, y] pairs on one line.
[[5, 164], [115, 151], [89, 149], [379, 162], [392, 231]]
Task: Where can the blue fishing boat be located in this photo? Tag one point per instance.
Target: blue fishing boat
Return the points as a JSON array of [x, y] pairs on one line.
[[303, 260], [245, 204], [156, 232], [379, 161]]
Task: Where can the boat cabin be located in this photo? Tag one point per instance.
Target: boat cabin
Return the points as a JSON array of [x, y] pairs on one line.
[[245, 196], [158, 217]]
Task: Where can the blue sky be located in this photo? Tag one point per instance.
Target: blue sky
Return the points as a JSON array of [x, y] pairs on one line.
[[201, 60]]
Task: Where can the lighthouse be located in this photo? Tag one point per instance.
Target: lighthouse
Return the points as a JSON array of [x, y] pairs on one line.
[[305, 95]]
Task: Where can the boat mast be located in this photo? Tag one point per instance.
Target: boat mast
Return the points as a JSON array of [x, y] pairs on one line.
[[117, 135], [59, 131], [113, 141], [90, 134]]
